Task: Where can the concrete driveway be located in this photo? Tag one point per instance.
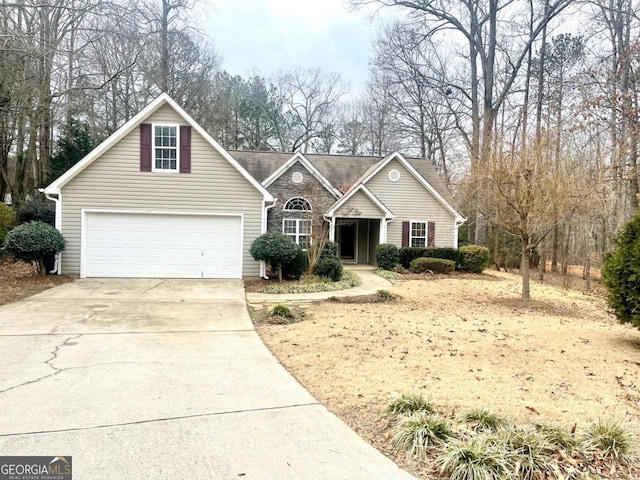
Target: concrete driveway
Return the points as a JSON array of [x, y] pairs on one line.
[[163, 379]]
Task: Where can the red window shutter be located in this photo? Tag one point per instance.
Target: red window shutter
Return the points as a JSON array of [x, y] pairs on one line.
[[431, 234], [185, 149], [145, 147], [405, 234]]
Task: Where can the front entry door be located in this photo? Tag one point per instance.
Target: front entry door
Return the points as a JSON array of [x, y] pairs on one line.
[[347, 234]]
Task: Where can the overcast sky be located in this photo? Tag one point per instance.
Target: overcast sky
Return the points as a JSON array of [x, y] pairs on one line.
[[264, 36]]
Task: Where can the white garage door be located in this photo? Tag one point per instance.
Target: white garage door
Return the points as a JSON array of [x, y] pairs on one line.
[[162, 245]]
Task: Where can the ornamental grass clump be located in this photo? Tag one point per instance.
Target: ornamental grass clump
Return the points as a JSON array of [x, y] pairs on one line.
[[409, 403], [419, 432], [610, 439], [527, 451], [481, 419], [479, 459]]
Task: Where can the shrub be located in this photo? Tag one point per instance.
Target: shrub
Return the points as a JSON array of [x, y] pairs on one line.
[[329, 249], [294, 269], [34, 241], [329, 267], [409, 254], [482, 419], [621, 273], [274, 248], [281, 310], [36, 209], [560, 438], [474, 258], [420, 431], [387, 256], [479, 459], [611, 439], [409, 403], [436, 265], [7, 220], [384, 295]]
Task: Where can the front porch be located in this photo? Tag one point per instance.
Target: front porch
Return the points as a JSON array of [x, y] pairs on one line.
[[357, 239]]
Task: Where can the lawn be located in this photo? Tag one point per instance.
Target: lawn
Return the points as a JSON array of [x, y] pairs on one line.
[[466, 341]]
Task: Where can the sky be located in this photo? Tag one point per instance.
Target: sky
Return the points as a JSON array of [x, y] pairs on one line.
[[265, 36]]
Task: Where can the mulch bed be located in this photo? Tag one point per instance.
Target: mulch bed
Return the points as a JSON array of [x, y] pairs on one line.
[[20, 280]]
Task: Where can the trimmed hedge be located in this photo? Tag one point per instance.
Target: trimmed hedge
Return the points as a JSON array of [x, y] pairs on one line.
[[34, 241], [329, 267], [387, 256], [435, 265], [294, 269], [409, 254], [474, 258]]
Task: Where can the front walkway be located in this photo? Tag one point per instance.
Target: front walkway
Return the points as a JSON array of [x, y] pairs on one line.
[[371, 283]]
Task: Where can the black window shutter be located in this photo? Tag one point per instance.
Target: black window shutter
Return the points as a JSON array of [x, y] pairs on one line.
[[145, 147], [431, 234], [405, 234], [185, 149]]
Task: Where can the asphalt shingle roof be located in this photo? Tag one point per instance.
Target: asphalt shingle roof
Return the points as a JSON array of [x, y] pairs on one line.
[[341, 170]]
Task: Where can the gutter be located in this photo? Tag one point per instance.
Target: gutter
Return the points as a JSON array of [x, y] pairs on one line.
[[56, 200], [263, 268]]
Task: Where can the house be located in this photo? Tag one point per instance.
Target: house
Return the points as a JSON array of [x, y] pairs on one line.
[[161, 199]]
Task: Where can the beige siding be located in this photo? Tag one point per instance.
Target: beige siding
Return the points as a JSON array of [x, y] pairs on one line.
[[359, 206], [114, 181], [410, 201]]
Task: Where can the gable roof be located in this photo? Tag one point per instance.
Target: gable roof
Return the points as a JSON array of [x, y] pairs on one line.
[[374, 169], [300, 158], [360, 187], [339, 170], [163, 99]]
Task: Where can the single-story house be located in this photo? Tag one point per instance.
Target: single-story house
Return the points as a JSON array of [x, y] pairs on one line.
[[160, 198]]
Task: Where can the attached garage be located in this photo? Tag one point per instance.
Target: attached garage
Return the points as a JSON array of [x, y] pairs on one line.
[[161, 245]]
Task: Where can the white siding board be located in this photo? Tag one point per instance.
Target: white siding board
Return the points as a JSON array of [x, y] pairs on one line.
[[409, 200], [114, 181], [359, 205]]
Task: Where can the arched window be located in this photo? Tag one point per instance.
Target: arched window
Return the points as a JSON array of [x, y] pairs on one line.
[[297, 204]]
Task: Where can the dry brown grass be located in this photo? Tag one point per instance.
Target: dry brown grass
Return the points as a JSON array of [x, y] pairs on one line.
[[19, 280], [467, 341]]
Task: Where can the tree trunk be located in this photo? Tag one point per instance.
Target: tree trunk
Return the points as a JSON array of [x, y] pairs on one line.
[[524, 270]]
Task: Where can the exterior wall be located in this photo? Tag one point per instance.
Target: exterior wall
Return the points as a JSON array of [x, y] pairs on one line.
[[114, 181], [359, 206], [284, 188], [410, 201]]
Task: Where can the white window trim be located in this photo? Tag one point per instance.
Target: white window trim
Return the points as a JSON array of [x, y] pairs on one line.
[[153, 147], [297, 234], [285, 209], [426, 232]]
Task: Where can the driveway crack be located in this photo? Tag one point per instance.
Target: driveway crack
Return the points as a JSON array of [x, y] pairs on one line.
[[49, 363]]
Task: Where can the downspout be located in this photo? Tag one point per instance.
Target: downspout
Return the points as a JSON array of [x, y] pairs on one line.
[[263, 266], [58, 222]]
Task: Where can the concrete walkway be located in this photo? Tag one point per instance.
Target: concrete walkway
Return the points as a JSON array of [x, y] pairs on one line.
[[371, 283], [163, 379]]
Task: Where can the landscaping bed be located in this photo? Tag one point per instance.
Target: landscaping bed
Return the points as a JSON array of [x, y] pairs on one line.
[[467, 341], [19, 280]]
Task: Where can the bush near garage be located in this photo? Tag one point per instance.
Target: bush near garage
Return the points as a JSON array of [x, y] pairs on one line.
[[274, 248], [33, 242]]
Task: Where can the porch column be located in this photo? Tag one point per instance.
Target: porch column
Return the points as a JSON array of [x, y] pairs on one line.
[[383, 230], [332, 229]]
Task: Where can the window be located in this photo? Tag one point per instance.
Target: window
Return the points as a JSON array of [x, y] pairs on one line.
[[165, 147], [297, 204], [298, 230], [418, 233]]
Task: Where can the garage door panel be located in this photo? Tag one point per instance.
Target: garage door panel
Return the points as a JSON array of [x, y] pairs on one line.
[[162, 246]]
